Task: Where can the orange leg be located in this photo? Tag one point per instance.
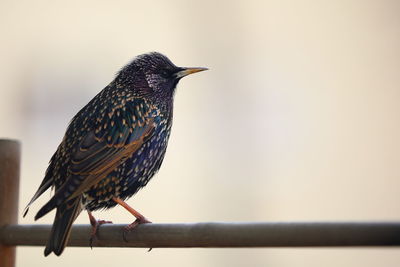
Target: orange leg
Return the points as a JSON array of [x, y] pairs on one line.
[[95, 227], [139, 217]]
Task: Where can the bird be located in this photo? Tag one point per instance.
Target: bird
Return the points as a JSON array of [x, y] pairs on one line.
[[112, 147]]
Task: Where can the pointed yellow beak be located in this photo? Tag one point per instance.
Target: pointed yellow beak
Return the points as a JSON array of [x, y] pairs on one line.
[[187, 71]]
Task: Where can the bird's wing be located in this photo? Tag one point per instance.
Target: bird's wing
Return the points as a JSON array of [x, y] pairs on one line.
[[116, 136], [96, 157]]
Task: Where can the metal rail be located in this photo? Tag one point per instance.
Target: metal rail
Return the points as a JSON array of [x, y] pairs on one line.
[[279, 234]]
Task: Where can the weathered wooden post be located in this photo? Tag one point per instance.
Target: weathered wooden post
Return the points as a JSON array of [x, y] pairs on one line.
[[9, 188]]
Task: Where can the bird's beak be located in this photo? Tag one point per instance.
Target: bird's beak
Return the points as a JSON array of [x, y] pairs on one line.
[[187, 71]]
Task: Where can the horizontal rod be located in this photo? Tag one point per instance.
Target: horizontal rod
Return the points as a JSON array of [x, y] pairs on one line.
[[284, 234]]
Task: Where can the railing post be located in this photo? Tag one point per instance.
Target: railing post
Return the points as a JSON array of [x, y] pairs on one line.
[[9, 188]]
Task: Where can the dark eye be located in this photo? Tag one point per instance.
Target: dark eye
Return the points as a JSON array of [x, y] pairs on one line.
[[165, 73]]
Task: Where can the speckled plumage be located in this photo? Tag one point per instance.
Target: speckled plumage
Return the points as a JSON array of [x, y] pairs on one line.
[[114, 145]]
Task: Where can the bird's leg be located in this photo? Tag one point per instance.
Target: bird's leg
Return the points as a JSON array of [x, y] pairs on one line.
[[139, 217], [95, 227]]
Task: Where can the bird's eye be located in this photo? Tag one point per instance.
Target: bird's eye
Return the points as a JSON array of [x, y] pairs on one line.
[[165, 73]]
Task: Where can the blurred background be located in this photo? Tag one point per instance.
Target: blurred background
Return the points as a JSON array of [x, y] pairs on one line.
[[296, 120]]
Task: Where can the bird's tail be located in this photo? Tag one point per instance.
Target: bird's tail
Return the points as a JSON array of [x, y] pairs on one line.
[[65, 216]]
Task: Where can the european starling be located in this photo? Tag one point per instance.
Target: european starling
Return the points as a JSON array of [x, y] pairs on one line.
[[113, 146]]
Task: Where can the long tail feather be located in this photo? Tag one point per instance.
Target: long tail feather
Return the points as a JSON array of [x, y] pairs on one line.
[[49, 206], [61, 196], [42, 188], [65, 216]]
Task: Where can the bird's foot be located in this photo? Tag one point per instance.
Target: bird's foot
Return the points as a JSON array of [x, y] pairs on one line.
[[136, 223], [95, 228], [139, 217], [129, 227]]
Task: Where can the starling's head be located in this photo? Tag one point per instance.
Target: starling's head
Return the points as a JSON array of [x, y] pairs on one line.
[[154, 74]]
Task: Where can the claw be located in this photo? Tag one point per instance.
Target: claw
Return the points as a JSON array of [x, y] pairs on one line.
[[130, 227], [95, 228]]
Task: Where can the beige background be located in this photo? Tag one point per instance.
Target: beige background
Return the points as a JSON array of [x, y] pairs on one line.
[[297, 119]]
